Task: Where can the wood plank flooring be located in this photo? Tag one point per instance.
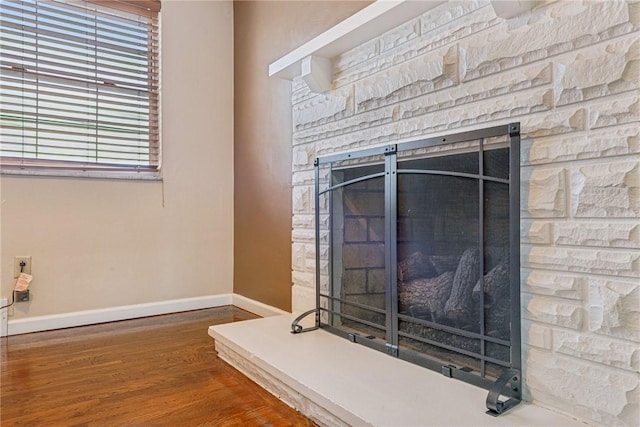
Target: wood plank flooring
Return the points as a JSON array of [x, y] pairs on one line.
[[155, 371]]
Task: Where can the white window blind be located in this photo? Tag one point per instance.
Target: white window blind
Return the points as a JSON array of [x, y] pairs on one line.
[[79, 88]]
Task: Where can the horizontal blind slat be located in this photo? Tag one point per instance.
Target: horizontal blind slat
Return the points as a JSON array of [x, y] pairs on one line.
[[86, 71], [30, 50], [11, 81], [79, 41], [78, 24], [79, 9]]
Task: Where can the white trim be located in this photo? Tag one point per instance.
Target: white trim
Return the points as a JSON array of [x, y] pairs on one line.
[[256, 307], [152, 176], [112, 314], [89, 317], [368, 23], [3, 317]]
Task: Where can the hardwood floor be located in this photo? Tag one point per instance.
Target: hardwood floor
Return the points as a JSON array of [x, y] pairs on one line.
[[154, 371]]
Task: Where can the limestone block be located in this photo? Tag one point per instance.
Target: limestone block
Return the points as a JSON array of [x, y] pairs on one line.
[[445, 36], [416, 77], [445, 14], [297, 84], [349, 142], [601, 70], [614, 308], [549, 30], [303, 298], [310, 252], [536, 335], [501, 109], [302, 221], [612, 352], [615, 111], [382, 125], [350, 124], [323, 267], [552, 311], [355, 56], [399, 35], [303, 156], [310, 266], [609, 189], [538, 232], [324, 221], [617, 141], [456, 30], [324, 283], [298, 256], [301, 95], [600, 394], [479, 90], [617, 262], [259, 375], [322, 108], [607, 234], [553, 284], [302, 199], [321, 416], [299, 90], [543, 193], [303, 235], [305, 279], [554, 122], [305, 177]]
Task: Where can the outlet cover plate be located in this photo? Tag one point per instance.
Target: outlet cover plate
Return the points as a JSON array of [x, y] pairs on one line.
[[16, 265]]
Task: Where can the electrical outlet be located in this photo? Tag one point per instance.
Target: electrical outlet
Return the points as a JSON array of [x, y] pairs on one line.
[[17, 268], [22, 296]]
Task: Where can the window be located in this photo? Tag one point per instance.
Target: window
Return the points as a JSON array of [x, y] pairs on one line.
[[79, 89]]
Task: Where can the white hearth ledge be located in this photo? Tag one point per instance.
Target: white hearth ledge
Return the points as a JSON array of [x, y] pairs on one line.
[[337, 383]]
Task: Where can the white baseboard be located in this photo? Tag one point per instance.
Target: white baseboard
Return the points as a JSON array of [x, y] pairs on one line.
[[3, 317], [112, 314], [256, 307]]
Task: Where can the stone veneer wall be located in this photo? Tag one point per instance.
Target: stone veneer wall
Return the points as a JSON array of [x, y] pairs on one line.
[[568, 71]]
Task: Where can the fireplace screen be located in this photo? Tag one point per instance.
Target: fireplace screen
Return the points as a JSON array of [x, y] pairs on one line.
[[417, 255]]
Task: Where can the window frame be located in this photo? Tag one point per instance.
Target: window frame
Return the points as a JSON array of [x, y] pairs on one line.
[[147, 12]]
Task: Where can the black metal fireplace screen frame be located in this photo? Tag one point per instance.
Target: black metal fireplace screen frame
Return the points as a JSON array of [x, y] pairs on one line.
[[505, 391]]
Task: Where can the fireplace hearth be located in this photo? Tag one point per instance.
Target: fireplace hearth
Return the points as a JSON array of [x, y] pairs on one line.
[[423, 255]]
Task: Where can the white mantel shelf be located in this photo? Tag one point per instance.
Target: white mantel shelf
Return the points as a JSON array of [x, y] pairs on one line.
[[368, 23]]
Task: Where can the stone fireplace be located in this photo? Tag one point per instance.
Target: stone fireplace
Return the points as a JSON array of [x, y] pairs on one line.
[[568, 72], [423, 259]]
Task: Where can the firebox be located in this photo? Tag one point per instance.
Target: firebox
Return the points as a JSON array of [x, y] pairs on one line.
[[417, 255]]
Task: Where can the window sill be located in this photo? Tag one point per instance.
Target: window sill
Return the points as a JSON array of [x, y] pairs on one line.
[[109, 175]]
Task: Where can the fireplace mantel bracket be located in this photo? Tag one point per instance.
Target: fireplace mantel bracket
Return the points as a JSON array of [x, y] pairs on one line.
[[508, 384], [296, 328]]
